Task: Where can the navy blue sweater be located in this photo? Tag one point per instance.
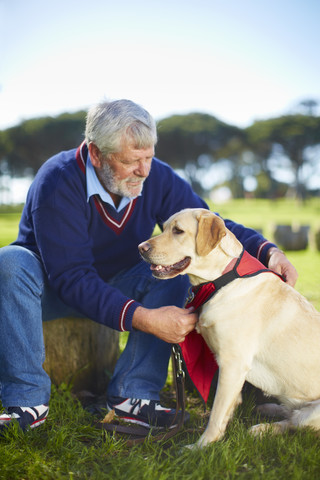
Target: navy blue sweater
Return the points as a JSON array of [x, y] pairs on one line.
[[83, 244]]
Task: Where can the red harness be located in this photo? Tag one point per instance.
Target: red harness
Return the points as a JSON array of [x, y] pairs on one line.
[[199, 359]]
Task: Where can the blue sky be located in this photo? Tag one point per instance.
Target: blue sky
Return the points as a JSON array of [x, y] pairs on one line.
[[237, 60]]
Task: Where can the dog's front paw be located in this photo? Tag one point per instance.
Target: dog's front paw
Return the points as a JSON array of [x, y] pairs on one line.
[[201, 443]]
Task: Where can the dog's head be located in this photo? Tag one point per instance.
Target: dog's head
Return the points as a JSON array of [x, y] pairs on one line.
[[188, 238]]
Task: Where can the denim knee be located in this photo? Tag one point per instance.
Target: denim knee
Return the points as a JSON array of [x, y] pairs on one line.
[[19, 266]]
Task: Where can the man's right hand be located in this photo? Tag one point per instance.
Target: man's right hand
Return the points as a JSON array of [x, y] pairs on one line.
[[171, 324]]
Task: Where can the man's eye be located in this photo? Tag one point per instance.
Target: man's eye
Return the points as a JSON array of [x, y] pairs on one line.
[[177, 231]]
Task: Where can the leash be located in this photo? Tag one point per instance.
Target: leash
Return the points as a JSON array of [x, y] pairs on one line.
[[136, 434]]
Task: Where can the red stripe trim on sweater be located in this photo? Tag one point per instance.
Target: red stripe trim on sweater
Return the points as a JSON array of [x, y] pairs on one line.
[[261, 248], [117, 227], [80, 158], [123, 315]]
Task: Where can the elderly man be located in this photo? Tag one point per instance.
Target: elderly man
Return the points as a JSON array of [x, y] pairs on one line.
[[76, 254]]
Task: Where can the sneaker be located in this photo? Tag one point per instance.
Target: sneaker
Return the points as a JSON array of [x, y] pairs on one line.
[[148, 413], [25, 416]]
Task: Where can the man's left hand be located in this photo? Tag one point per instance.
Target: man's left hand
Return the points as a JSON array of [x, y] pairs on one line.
[[278, 262]]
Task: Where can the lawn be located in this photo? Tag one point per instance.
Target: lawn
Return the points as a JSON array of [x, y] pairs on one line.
[[68, 446], [9, 223]]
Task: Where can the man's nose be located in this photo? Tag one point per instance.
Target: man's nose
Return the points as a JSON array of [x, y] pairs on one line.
[[143, 168]]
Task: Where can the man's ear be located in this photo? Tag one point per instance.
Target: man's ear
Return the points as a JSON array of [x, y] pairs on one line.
[[211, 229], [95, 155]]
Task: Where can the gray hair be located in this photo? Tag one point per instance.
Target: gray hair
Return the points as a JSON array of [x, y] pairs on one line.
[[109, 124]]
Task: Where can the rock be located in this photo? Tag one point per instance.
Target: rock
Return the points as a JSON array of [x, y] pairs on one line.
[[292, 237]]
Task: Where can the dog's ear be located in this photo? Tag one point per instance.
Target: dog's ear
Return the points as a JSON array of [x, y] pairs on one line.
[[211, 229]]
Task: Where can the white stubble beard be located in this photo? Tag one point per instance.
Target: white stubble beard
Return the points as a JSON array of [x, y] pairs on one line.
[[118, 187]]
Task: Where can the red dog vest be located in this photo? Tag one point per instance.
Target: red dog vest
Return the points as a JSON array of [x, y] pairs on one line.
[[199, 359]]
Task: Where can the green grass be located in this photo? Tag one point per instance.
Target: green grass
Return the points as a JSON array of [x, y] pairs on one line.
[[9, 223], [68, 446]]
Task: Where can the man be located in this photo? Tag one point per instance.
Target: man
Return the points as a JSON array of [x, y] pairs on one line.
[[76, 253]]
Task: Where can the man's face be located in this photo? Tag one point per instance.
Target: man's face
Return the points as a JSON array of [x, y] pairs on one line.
[[123, 173]]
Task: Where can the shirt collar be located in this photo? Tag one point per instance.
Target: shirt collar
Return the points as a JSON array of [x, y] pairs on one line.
[[94, 187]]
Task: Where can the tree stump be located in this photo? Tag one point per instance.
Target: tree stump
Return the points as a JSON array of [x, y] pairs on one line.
[[81, 352], [292, 237]]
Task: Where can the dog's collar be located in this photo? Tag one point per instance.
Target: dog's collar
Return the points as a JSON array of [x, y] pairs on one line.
[[245, 266]]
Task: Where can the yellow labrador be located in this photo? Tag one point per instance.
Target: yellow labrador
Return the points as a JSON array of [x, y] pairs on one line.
[[260, 329]]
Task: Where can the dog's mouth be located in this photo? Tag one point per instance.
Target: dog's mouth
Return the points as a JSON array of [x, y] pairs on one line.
[[169, 271]]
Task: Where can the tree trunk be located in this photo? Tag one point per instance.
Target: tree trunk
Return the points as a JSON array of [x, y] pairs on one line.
[[81, 352]]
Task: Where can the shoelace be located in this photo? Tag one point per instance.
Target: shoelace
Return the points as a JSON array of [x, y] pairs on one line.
[[151, 404], [137, 403]]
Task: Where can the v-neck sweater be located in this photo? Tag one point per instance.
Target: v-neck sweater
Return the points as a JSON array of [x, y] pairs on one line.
[[84, 244]]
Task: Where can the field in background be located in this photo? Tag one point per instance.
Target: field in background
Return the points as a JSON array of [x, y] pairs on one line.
[[266, 214]]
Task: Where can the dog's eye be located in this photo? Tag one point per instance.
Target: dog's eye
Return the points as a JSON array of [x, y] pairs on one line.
[[177, 231]]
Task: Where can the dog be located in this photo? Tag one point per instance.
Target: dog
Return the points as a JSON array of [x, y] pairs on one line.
[[259, 328]]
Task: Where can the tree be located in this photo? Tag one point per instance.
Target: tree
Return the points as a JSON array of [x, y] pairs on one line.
[[193, 142], [207, 151], [308, 106], [30, 144], [284, 143]]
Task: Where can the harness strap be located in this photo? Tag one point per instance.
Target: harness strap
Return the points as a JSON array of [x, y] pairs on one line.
[[225, 279], [245, 266]]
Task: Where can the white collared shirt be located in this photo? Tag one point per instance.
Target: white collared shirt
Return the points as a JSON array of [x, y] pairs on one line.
[[94, 187]]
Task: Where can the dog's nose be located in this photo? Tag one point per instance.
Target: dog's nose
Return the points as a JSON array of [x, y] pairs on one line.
[[144, 247]]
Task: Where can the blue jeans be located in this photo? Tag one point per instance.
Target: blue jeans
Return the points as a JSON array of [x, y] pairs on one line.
[[26, 300]]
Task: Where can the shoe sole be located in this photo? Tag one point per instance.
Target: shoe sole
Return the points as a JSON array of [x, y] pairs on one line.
[[35, 424]]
